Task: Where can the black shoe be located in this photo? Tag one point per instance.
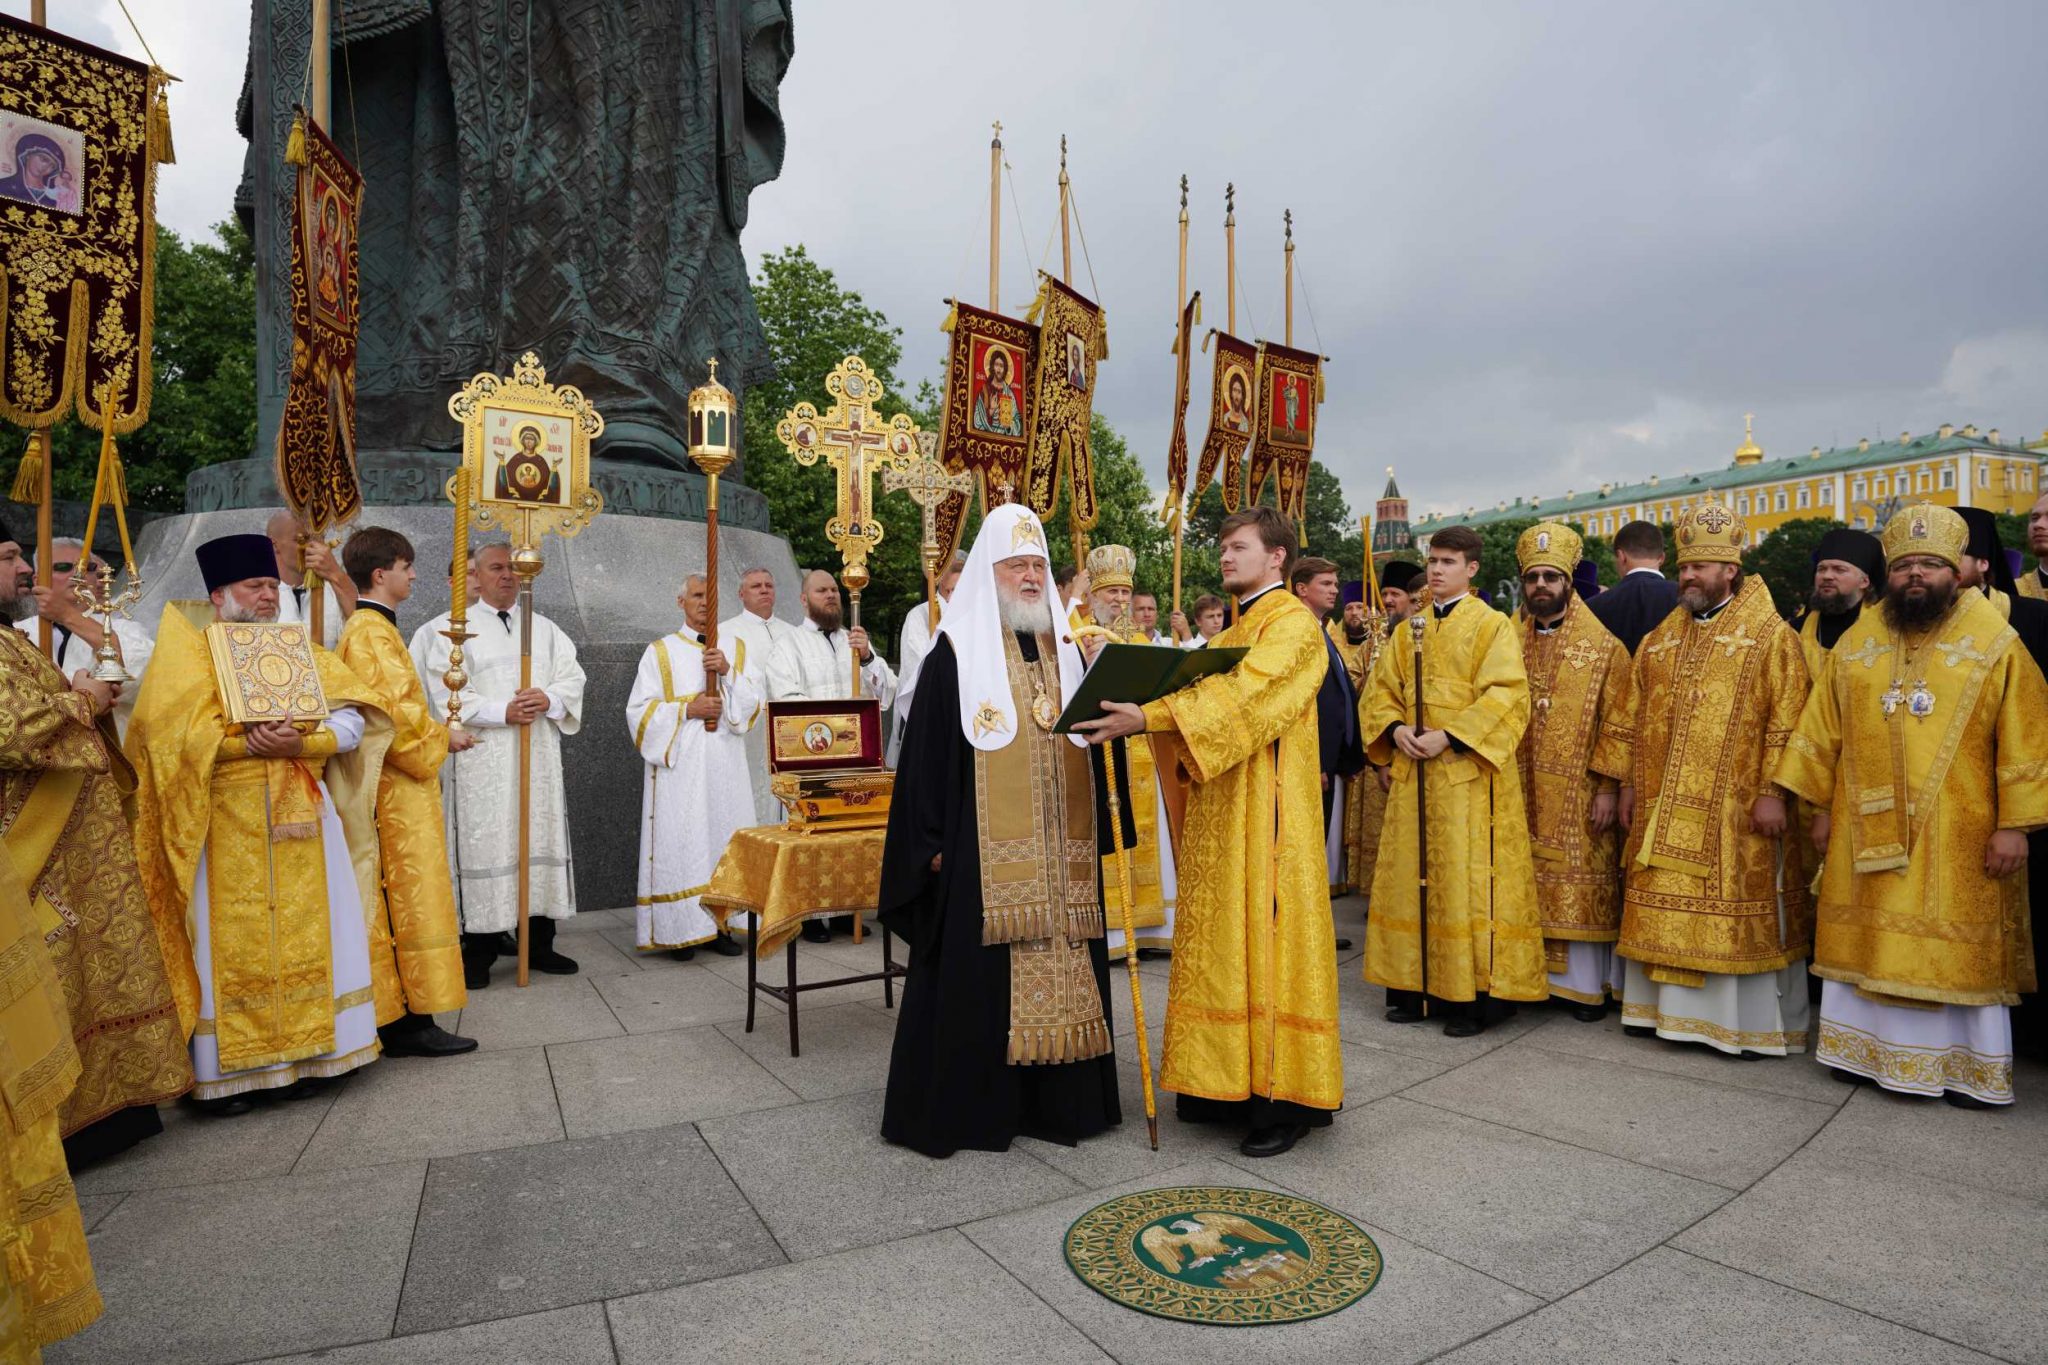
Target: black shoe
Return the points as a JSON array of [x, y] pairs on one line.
[[1589, 1014], [1273, 1141], [817, 931], [1404, 1014], [683, 954], [725, 945], [1847, 1077], [1638, 1031], [1342, 943], [842, 924], [540, 949], [1751, 1056], [225, 1108], [1962, 1101], [1153, 954], [479, 951], [305, 1088], [1465, 1026], [431, 1041]]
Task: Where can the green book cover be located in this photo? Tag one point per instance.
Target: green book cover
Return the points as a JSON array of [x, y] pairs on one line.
[[1141, 673]]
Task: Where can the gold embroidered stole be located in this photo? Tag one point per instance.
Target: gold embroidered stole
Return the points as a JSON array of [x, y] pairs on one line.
[[1567, 675], [1034, 812]]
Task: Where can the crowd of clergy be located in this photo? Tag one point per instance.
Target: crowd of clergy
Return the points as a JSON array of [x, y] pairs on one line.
[[1762, 837]]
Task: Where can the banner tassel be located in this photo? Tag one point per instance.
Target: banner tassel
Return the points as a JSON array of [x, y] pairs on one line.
[[160, 129], [28, 479], [295, 146]]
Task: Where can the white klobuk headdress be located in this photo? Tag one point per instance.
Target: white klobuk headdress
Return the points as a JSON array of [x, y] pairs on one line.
[[974, 623]]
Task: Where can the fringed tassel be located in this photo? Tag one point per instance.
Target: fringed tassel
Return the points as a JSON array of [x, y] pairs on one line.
[[952, 317], [295, 146], [1678, 976], [1018, 924], [1319, 384], [1056, 1044], [160, 128], [305, 829], [28, 479], [1102, 334]]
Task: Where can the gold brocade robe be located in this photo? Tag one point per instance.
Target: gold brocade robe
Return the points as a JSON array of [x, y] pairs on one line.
[[401, 859], [1365, 804], [46, 1281], [1484, 933], [2030, 584], [200, 790], [62, 783], [1148, 894], [1579, 678], [1252, 1004], [1715, 702], [1905, 909]]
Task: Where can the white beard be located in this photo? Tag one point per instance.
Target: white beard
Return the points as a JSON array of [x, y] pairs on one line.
[[235, 613], [1025, 617]]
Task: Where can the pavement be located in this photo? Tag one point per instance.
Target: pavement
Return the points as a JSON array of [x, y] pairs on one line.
[[623, 1173]]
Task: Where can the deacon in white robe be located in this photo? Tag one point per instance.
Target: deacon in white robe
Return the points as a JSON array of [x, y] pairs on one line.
[[916, 643], [75, 634], [814, 661], [687, 810], [480, 788], [757, 627]]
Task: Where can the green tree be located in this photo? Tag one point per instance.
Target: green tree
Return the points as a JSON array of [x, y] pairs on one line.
[[1329, 531], [1785, 560], [203, 358]]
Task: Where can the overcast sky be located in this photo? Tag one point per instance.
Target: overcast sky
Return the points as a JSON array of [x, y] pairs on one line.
[[1542, 245]]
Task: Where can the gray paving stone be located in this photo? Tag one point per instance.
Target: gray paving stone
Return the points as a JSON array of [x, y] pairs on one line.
[[2003, 1149], [1676, 1309], [1423, 1303], [195, 1150], [504, 1019], [1362, 1021], [1540, 1215], [1718, 1133], [1800, 1077], [1123, 1154], [934, 1298], [814, 963], [1960, 1263], [207, 1273], [566, 1336], [655, 1001], [652, 1080], [513, 1232], [94, 1208], [412, 1108], [825, 1181], [845, 1049]]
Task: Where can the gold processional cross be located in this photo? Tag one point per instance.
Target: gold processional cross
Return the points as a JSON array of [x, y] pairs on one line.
[[928, 484]]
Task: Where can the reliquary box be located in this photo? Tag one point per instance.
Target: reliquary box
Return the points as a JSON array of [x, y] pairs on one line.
[[265, 672], [825, 763]]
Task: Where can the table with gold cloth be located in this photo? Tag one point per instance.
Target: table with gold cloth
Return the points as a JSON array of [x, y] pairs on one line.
[[781, 876]]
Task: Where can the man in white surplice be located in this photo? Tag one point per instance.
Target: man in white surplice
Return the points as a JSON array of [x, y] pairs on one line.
[[687, 810], [757, 626], [480, 791], [75, 633], [917, 642], [814, 662], [294, 585]]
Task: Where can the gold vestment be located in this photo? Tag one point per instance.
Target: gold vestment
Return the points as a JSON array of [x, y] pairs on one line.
[[1714, 703], [1148, 893], [258, 822], [1906, 912], [1579, 678], [1484, 929], [46, 1281], [401, 857], [1252, 1005], [62, 785]]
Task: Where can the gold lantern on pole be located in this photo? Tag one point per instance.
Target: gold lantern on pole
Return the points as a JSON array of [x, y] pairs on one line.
[[714, 445]]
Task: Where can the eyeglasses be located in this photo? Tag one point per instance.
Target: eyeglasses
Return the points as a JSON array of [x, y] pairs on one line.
[[63, 566]]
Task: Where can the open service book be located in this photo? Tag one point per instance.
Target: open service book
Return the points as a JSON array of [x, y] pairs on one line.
[[1141, 673]]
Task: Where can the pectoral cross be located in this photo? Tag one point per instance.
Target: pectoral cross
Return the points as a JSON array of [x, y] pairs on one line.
[[928, 484], [848, 436]]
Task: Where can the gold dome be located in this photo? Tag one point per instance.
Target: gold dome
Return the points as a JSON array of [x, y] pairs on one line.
[[1749, 452]]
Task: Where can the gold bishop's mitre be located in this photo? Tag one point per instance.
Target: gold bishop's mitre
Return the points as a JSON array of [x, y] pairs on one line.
[[1111, 566], [1927, 529], [1711, 533], [1549, 545]]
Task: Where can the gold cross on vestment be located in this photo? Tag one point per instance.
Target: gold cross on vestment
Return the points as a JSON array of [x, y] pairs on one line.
[[1581, 652], [847, 436], [1867, 654], [1965, 648], [1731, 643]]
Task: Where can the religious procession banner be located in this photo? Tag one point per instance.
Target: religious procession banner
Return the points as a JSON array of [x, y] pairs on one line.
[[987, 427], [1073, 336], [81, 133], [316, 439], [1177, 448], [1291, 385], [1230, 418]]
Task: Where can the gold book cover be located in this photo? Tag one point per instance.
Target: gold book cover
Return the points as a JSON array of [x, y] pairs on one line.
[[265, 672]]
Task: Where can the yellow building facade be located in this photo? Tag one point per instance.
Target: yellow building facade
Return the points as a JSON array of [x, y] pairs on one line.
[[1859, 485]]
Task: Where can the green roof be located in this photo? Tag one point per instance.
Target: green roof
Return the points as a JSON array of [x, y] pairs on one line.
[[1682, 486]]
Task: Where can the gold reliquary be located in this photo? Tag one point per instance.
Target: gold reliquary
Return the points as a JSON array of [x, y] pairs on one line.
[[825, 763], [265, 672]]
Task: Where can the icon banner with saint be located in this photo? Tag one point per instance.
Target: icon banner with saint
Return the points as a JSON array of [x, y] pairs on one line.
[[316, 437], [988, 411], [1290, 384], [1231, 409], [82, 131], [1072, 338], [527, 445]]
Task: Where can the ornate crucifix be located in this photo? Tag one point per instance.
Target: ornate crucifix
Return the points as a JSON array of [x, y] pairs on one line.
[[928, 484], [850, 436]]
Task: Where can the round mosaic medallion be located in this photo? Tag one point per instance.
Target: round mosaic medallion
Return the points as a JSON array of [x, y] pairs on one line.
[[1227, 1257]]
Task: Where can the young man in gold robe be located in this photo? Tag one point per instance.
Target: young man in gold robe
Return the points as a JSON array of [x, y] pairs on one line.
[[1365, 799], [1715, 921], [244, 859], [401, 855], [1572, 760], [1251, 1015], [1112, 569], [1925, 748], [62, 783]]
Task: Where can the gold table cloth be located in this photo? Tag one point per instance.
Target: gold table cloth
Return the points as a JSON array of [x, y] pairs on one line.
[[785, 876]]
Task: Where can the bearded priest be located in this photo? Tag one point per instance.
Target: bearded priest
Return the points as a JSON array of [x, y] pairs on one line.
[[1715, 920], [1251, 1018], [244, 858], [1925, 748], [990, 872]]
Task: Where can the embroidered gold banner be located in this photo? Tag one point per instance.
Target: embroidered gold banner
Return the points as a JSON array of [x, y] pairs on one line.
[[1177, 446], [316, 438], [81, 132], [989, 406], [1290, 386], [1072, 337], [1230, 418]]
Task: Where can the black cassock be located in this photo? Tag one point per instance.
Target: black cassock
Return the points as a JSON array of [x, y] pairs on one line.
[[949, 1085]]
